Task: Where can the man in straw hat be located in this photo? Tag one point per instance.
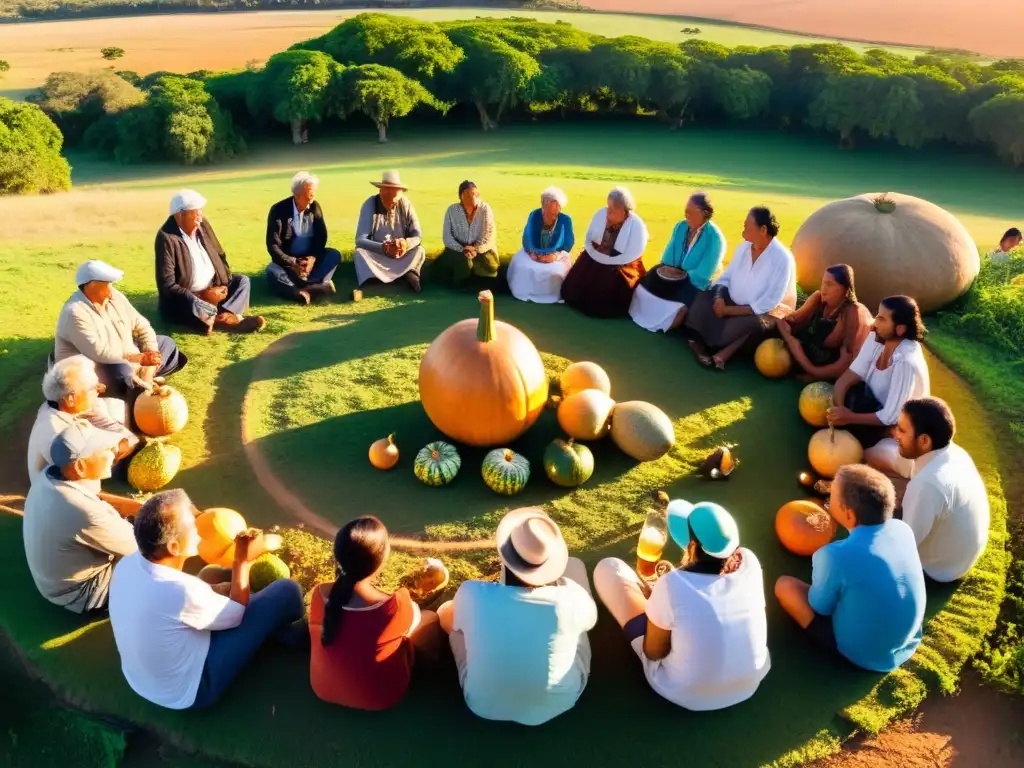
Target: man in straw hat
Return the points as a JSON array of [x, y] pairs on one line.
[[521, 644], [388, 235], [99, 322], [192, 274]]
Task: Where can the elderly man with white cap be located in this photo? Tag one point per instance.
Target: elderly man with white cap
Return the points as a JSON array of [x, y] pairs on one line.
[[192, 277], [73, 533], [388, 236], [99, 322], [521, 644], [301, 263]]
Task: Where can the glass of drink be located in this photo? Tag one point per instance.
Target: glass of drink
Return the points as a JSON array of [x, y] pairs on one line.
[[651, 544]]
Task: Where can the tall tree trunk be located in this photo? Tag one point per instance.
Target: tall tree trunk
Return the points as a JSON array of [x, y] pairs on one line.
[[298, 130], [382, 131], [485, 119], [501, 110]]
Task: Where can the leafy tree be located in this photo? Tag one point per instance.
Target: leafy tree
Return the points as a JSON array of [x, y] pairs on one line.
[[4, 67], [742, 93], [382, 93], [704, 50], [840, 104], [76, 100], [295, 88], [961, 69], [132, 77], [888, 62], [1000, 122], [30, 144], [231, 91], [112, 53]]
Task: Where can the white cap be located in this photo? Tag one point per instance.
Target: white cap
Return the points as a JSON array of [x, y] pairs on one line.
[[97, 270], [187, 200]]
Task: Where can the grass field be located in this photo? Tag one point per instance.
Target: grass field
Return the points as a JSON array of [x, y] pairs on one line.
[[348, 374], [187, 42]]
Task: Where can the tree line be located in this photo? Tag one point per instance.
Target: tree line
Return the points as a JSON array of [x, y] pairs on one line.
[[381, 68]]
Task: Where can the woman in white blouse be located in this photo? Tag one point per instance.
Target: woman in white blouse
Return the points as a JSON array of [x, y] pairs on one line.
[[889, 370], [470, 240], [758, 286]]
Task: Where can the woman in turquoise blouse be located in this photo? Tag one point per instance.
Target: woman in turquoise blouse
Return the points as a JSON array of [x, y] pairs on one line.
[[691, 259]]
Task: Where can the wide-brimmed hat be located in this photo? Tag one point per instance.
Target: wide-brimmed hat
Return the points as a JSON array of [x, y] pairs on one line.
[[531, 546], [713, 527], [97, 270], [390, 179]]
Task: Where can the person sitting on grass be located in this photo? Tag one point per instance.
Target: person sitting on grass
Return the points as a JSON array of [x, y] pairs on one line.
[[73, 533], [691, 258], [301, 263], [603, 278], [470, 241], [866, 598], [99, 322], [889, 370], [192, 278], [364, 641], [182, 640], [826, 333], [758, 286], [388, 236], [701, 633], [71, 392], [536, 272], [945, 504], [1010, 240], [521, 644]]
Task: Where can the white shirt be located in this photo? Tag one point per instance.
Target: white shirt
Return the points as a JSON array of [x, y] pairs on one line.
[[302, 221], [522, 648], [202, 268], [946, 506], [764, 284], [719, 652], [162, 619], [906, 378]]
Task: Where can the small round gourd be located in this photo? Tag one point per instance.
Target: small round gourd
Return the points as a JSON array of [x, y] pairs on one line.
[[384, 453], [437, 463], [804, 527], [584, 375], [642, 430], [585, 415], [161, 411], [773, 359], [505, 471], [568, 463], [154, 466], [831, 449], [815, 400], [218, 528]]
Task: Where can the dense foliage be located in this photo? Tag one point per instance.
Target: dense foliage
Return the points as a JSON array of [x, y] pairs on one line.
[[30, 144]]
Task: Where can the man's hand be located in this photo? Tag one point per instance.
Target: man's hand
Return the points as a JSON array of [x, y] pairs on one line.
[[304, 265], [245, 551], [719, 308], [401, 246], [784, 330], [151, 358], [215, 294], [838, 415]]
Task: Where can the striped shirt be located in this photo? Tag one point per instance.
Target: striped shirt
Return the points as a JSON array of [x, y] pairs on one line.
[[458, 232]]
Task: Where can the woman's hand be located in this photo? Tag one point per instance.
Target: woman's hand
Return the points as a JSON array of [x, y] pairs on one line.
[[784, 330], [719, 308]]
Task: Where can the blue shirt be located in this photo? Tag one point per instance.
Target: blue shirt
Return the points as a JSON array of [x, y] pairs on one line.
[[872, 586]]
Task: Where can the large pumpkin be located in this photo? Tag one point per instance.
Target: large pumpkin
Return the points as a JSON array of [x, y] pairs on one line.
[[815, 400], [584, 375], [437, 463], [896, 244], [831, 449], [218, 528], [161, 412], [568, 463], [804, 527], [773, 359], [505, 471], [482, 382]]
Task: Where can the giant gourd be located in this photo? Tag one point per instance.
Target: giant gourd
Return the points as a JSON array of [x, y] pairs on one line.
[[831, 449], [482, 381], [896, 244]]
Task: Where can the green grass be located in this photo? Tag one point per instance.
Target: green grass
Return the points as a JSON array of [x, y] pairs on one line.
[[348, 377]]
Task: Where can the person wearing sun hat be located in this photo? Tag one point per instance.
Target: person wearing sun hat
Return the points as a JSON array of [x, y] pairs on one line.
[[99, 322], [388, 235], [520, 644], [193, 280], [701, 633]]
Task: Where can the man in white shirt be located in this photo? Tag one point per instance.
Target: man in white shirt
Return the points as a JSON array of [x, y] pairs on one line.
[[889, 370], [71, 390], [99, 322], [945, 504], [74, 535], [521, 645], [181, 640], [193, 280]]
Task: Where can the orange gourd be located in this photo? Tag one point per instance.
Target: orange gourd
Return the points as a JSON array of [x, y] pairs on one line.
[[482, 381], [815, 400], [773, 359], [218, 527], [384, 453], [804, 527], [161, 412], [831, 448], [585, 375]]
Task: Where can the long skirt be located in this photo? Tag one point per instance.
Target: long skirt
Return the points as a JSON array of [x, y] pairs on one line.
[[601, 290], [384, 268], [657, 302], [454, 269], [530, 280], [717, 333]]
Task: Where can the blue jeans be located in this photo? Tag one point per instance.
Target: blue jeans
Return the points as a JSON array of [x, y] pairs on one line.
[[268, 613], [286, 284], [118, 377]]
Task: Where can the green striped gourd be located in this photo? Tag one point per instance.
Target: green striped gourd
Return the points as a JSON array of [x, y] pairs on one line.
[[568, 463], [505, 471], [437, 463]]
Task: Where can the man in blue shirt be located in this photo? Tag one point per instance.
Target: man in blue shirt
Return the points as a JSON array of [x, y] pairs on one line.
[[866, 598]]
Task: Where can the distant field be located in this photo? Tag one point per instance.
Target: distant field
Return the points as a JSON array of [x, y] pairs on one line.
[[187, 42]]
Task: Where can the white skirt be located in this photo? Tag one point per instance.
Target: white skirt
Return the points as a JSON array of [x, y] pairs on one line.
[[531, 280], [651, 312]]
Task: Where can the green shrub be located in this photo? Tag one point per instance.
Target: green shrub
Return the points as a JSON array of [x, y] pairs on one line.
[[992, 312], [30, 144]]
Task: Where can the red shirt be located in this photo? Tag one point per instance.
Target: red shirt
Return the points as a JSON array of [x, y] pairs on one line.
[[369, 663]]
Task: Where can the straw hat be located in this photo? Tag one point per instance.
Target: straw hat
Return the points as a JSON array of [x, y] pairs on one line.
[[390, 179], [531, 546]]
